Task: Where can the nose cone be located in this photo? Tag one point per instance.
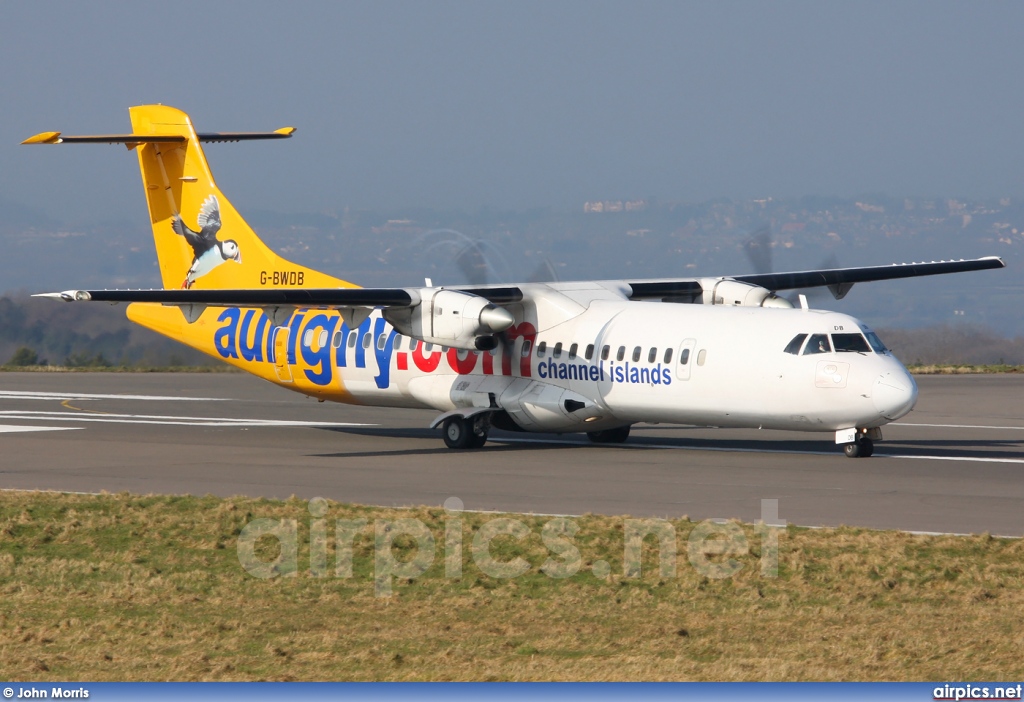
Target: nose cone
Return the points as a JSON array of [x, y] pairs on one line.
[[894, 394], [497, 319]]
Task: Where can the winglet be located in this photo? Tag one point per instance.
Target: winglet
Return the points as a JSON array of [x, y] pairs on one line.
[[44, 138], [285, 131]]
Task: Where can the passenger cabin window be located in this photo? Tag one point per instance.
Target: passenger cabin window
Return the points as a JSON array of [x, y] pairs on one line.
[[557, 351], [382, 341], [352, 337], [684, 357], [527, 345], [414, 344], [653, 355], [793, 346], [850, 343], [322, 341], [605, 350], [542, 348], [590, 352], [636, 354], [668, 355], [818, 343], [366, 340], [620, 354], [572, 351], [398, 342], [336, 342]]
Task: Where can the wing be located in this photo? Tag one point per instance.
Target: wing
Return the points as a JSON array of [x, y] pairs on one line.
[[838, 280], [193, 238], [676, 290], [209, 220]]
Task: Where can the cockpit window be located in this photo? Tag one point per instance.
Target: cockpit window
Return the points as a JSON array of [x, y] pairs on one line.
[[793, 346], [818, 343], [875, 342], [850, 342]]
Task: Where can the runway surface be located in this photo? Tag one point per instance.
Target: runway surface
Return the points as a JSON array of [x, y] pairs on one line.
[[956, 464]]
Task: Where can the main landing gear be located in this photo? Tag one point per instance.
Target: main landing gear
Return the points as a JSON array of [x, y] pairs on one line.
[[465, 432]]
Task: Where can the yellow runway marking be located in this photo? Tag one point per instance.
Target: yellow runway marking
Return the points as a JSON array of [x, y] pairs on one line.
[[67, 403]]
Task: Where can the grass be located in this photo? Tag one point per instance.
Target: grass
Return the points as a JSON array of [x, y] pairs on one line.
[[963, 368], [123, 587]]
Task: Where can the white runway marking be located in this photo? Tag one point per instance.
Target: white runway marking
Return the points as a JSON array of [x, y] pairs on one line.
[[20, 395], [955, 426], [164, 419], [12, 428], [726, 449]]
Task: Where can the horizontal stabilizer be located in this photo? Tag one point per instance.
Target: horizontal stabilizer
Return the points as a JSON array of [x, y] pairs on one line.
[[130, 139]]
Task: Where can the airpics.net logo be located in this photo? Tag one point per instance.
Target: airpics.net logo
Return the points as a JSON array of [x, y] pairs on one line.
[[712, 547]]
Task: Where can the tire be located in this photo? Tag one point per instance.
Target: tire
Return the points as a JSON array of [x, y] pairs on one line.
[[609, 436], [862, 449], [477, 440], [458, 433]]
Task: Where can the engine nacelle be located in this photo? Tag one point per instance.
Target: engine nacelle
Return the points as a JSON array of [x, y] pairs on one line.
[[725, 291], [451, 318]]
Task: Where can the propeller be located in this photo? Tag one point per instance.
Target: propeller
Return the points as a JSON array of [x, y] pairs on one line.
[[758, 248]]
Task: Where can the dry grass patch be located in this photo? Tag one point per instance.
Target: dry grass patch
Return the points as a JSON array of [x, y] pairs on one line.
[[122, 587]]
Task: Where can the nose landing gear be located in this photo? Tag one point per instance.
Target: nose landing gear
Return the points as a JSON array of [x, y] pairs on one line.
[[858, 443], [859, 449]]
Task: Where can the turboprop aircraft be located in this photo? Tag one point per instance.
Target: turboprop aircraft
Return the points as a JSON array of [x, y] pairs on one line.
[[589, 356]]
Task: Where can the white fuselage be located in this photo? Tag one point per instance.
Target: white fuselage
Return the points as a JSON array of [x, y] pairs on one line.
[[648, 362]]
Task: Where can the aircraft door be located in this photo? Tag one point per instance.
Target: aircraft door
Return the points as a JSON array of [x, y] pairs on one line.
[[284, 372], [685, 359]]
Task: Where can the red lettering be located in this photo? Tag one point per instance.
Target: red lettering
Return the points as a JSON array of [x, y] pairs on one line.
[[427, 364], [402, 361], [464, 366], [528, 333]]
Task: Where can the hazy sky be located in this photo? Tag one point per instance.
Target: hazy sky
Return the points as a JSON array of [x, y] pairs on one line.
[[520, 104]]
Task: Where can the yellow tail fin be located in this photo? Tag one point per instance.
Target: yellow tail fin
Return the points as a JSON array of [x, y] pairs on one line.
[[201, 240]]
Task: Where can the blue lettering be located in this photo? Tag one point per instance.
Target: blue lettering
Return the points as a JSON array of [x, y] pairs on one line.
[[252, 352], [383, 356], [224, 338], [360, 351], [293, 337], [341, 353], [321, 358]]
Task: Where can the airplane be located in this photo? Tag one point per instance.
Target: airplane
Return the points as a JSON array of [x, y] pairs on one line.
[[592, 356]]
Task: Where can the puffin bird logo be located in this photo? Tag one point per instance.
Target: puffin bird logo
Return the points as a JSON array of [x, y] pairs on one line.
[[209, 252]]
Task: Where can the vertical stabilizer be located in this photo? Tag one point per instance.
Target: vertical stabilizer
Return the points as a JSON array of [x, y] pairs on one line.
[[201, 240]]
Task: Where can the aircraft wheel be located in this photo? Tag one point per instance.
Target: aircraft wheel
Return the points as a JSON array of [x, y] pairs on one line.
[[609, 436], [867, 447], [861, 449], [477, 440], [458, 433]]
